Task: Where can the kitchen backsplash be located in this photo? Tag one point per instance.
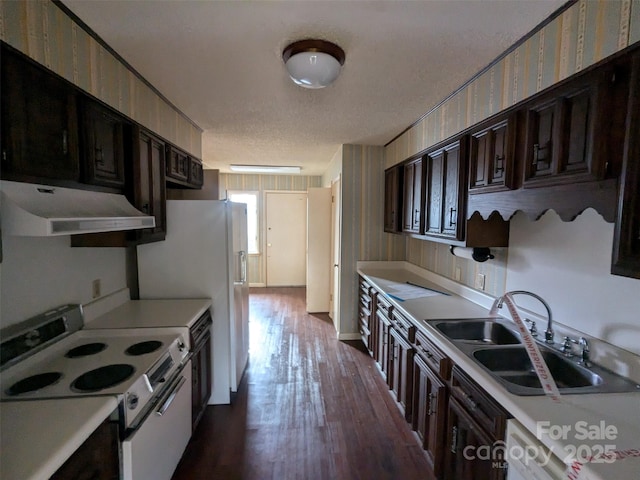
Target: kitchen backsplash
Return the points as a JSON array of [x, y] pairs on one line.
[[437, 258]]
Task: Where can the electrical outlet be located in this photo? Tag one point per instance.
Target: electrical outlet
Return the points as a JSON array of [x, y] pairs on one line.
[[479, 281], [458, 275], [95, 288]]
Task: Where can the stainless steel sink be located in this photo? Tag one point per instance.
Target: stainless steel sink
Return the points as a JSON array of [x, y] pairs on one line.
[[494, 344], [480, 331], [513, 365]]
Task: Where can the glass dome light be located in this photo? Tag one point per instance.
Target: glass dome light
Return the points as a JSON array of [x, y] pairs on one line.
[[313, 63]]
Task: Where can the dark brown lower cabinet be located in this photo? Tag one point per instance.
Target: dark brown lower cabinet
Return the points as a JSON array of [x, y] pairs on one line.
[[96, 459], [429, 413], [465, 460], [200, 368], [384, 324], [401, 371], [476, 426]]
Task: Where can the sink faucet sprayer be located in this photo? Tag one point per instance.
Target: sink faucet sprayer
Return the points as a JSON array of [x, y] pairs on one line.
[[548, 334]]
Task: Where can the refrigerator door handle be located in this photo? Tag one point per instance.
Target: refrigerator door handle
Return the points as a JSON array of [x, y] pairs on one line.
[[242, 255]]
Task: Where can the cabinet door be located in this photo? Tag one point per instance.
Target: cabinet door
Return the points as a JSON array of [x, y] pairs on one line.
[[492, 156], [149, 185], [445, 192], [39, 123], [200, 381], [401, 370], [626, 241], [463, 460], [384, 340], [392, 179], [196, 176], [178, 165], [412, 197], [102, 146], [429, 413], [96, 459], [559, 146]]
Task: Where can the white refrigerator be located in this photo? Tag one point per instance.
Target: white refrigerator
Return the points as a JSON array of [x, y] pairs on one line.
[[204, 255]]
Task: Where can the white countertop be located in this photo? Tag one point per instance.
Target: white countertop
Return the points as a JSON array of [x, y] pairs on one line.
[[152, 314], [621, 411], [37, 437]]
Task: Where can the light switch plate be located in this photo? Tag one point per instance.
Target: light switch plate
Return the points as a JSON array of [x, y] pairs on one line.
[[479, 281]]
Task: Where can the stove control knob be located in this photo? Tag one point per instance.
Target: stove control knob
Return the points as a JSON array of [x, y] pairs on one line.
[[181, 346], [132, 401]]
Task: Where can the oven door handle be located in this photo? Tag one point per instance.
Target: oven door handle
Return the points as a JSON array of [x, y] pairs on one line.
[[172, 395]]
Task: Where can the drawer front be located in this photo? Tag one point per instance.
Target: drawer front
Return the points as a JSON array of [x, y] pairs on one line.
[[365, 335], [365, 316], [366, 302], [403, 325], [432, 355], [384, 306], [489, 414]]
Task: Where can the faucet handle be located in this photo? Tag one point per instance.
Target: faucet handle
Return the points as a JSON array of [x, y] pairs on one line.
[[533, 330], [566, 346]]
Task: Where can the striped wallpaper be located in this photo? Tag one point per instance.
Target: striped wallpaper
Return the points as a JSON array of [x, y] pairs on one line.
[[41, 30], [256, 268], [582, 35], [363, 236], [585, 33]]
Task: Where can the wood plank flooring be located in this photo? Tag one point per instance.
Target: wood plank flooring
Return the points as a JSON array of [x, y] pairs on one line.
[[309, 407]]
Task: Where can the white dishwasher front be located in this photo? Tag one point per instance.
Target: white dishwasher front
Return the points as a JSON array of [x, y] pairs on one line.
[[154, 450], [528, 458]]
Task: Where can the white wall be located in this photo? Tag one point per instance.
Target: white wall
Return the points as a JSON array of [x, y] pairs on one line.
[[40, 273], [568, 264]]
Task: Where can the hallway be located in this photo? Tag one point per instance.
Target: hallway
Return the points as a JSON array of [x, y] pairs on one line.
[[309, 407]]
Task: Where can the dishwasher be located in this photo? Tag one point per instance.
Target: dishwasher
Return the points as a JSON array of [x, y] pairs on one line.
[[521, 467]]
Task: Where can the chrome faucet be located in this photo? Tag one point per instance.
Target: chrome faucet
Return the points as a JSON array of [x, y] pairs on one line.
[[548, 334]]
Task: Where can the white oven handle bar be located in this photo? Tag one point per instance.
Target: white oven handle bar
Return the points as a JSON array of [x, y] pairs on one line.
[[172, 395]]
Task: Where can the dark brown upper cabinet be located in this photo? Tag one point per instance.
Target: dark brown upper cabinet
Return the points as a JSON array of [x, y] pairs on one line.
[[39, 123], [626, 240], [413, 199], [102, 145], [565, 131], [492, 156], [392, 199], [149, 186], [446, 179], [183, 170], [177, 165]]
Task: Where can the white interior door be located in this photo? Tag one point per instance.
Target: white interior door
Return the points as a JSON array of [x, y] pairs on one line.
[[334, 301], [286, 224]]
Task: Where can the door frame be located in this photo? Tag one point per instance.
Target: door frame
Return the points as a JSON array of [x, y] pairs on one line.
[[336, 236]]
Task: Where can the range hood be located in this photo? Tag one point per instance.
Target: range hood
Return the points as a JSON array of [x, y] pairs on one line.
[[33, 210]]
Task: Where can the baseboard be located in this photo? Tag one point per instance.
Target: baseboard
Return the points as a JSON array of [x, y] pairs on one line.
[[259, 285], [349, 336]]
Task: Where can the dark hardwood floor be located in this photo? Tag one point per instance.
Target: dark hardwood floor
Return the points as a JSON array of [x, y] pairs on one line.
[[309, 407]]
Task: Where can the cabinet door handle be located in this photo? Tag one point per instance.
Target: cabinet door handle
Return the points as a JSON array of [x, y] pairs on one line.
[[499, 165], [454, 439], [65, 142], [430, 410], [451, 212]]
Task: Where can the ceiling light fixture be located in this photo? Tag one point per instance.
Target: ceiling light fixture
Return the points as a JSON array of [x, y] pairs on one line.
[[264, 169], [313, 63]]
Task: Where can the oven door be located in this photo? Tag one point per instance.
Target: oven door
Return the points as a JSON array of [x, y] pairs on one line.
[[155, 448]]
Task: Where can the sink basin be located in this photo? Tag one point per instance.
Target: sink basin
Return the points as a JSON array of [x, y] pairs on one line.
[[482, 331], [514, 366]]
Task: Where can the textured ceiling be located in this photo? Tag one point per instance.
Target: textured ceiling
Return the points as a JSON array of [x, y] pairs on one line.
[[220, 63]]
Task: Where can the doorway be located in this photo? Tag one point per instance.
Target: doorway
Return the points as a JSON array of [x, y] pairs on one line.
[[286, 238]]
